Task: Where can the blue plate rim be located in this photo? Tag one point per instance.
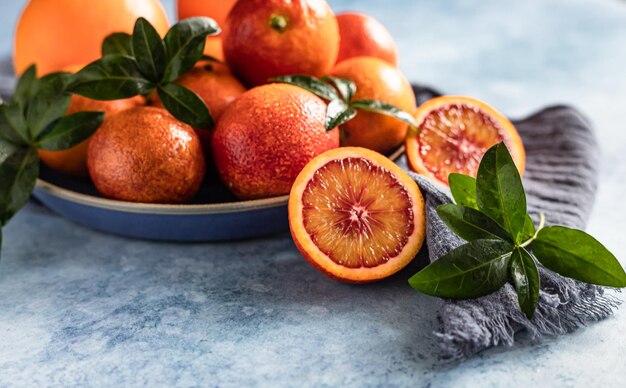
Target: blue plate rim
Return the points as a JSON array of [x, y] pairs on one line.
[[162, 209]]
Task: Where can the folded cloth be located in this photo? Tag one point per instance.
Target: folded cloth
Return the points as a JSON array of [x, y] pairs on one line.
[[560, 180]]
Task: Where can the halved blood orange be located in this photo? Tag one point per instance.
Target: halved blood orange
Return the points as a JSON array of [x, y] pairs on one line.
[[356, 216], [454, 133]]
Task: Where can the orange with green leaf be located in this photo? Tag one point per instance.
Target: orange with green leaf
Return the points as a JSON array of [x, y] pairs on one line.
[[216, 86], [376, 80], [73, 161], [368, 99]]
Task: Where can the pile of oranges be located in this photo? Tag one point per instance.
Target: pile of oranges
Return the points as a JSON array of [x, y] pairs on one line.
[[353, 213], [263, 140]]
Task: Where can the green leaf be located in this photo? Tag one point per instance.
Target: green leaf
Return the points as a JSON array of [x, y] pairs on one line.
[[386, 109], [312, 84], [148, 50], [70, 131], [470, 224], [117, 43], [19, 168], [184, 44], [577, 255], [529, 229], [113, 77], [338, 113], [346, 87], [463, 188], [54, 84], [50, 102], [185, 105], [26, 86], [499, 191], [472, 270], [13, 125], [6, 149], [526, 280]]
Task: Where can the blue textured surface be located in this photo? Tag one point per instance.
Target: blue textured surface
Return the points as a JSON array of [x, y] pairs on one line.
[[79, 307]]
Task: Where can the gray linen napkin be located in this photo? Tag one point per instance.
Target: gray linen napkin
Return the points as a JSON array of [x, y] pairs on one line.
[[561, 181]]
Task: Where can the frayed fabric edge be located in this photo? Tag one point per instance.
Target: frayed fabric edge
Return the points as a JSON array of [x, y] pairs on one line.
[[456, 344]]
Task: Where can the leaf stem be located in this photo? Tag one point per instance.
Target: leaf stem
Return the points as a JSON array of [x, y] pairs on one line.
[[542, 223]]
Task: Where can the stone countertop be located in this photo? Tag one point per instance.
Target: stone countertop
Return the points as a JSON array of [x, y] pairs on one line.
[[78, 307]]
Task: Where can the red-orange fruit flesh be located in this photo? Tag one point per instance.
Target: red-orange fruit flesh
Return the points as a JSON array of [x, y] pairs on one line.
[[345, 201]]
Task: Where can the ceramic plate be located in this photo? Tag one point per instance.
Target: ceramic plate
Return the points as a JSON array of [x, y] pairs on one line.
[[216, 215]]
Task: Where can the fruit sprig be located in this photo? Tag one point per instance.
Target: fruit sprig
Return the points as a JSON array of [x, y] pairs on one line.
[[142, 63], [35, 119], [339, 92], [503, 244]]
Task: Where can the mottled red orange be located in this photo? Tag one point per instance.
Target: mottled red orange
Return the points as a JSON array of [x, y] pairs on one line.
[[268, 38], [267, 136], [145, 155]]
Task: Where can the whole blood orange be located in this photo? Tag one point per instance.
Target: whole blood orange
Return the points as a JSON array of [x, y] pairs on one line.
[[356, 216], [454, 132], [145, 155], [215, 9], [54, 34], [267, 136], [216, 86], [362, 35], [268, 38], [376, 80], [73, 161]]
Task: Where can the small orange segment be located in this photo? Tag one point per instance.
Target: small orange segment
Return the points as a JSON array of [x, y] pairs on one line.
[[356, 216], [454, 134]]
